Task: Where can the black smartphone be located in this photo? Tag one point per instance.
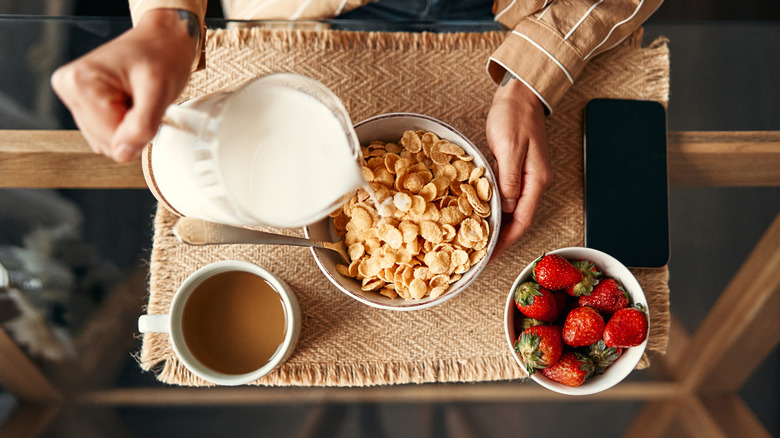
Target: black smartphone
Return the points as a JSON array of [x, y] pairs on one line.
[[626, 181]]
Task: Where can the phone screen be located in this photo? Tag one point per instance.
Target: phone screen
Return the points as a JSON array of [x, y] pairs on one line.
[[626, 181]]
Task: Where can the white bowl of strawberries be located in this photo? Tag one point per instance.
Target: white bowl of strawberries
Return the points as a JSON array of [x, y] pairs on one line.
[[576, 320]]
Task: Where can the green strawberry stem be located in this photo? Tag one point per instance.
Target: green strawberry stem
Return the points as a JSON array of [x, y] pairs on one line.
[[603, 356], [528, 348], [589, 277], [525, 293]]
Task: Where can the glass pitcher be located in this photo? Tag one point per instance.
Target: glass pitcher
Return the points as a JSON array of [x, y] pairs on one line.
[[279, 150]]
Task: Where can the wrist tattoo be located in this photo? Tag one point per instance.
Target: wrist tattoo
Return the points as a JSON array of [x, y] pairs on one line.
[[508, 76], [193, 25]]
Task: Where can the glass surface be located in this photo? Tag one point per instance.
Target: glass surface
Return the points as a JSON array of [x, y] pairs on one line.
[[722, 78], [33, 47]]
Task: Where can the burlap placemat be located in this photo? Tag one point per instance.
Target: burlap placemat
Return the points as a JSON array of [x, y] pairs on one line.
[[344, 342]]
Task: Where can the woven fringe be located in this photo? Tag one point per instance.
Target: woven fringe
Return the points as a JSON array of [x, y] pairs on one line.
[[257, 38], [360, 374], [656, 291], [658, 69]]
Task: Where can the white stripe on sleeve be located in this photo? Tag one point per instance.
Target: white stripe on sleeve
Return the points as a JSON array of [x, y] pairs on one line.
[[542, 49], [639, 6], [300, 10], [545, 10], [582, 19], [495, 18], [341, 8]]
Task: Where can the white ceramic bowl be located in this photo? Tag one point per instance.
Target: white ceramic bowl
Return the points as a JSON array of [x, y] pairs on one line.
[[610, 267], [390, 127]]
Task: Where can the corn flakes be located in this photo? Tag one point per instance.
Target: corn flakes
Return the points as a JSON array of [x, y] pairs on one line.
[[428, 227]]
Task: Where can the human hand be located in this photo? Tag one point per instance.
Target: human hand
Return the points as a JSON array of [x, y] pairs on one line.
[[516, 135], [118, 92]]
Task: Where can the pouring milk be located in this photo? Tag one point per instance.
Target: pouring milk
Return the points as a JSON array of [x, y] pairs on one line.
[[279, 151]]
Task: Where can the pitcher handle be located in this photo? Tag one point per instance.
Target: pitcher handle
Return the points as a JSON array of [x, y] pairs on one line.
[[187, 119]]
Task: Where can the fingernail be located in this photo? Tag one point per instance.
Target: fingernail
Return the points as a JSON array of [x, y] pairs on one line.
[[124, 152], [508, 205]]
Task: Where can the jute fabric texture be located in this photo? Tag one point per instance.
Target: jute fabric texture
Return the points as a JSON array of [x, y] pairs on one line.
[[344, 342]]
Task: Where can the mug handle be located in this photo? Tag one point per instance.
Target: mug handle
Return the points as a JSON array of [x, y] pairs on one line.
[[153, 324]]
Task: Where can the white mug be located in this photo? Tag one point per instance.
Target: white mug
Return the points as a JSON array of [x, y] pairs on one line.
[[171, 323]]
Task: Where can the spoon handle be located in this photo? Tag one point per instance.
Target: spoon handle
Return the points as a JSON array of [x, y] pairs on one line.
[[200, 232]]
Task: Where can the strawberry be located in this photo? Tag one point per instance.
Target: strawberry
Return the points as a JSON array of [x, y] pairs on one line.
[[528, 323], [590, 278], [603, 356], [607, 297], [536, 302], [555, 272], [626, 328], [539, 346], [573, 369], [583, 326]]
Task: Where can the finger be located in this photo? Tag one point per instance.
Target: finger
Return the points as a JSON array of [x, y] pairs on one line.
[[518, 222], [528, 204], [510, 233], [142, 121], [511, 159], [96, 105]]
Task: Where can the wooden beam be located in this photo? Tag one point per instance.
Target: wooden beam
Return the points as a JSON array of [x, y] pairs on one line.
[[654, 419], [29, 420], [761, 336], [696, 419], [62, 159], [664, 365], [20, 376], [734, 417], [476, 393], [746, 303], [745, 158]]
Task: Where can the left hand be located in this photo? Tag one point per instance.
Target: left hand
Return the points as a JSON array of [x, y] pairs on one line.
[[516, 136]]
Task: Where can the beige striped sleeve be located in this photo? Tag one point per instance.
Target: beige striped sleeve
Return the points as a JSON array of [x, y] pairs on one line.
[[548, 49], [198, 7]]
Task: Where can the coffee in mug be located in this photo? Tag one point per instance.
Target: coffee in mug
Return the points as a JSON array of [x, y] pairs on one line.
[[230, 322], [234, 322]]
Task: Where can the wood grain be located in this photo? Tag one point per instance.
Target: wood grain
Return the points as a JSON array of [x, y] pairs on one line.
[[62, 159]]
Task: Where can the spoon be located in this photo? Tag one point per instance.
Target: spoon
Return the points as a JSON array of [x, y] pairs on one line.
[[199, 232]]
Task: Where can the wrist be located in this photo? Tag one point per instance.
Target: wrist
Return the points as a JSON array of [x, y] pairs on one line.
[[177, 26], [514, 89]]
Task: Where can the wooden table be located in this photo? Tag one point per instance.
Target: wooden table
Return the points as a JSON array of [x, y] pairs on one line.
[[698, 378]]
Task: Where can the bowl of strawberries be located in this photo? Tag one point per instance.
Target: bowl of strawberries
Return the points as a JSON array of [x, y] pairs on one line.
[[577, 320]]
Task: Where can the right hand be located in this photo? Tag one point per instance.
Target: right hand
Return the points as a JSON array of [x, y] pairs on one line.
[[118, 93], [516, 135]]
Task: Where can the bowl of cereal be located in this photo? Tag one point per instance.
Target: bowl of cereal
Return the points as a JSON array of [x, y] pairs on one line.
[[427, 224]]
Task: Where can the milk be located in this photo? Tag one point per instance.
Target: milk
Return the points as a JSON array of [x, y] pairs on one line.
[[285, 157], [266, 153]]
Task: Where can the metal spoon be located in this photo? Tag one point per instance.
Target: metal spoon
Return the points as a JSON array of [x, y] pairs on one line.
[[199, 232]]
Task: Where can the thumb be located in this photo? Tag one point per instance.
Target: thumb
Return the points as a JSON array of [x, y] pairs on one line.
[[141, 121]]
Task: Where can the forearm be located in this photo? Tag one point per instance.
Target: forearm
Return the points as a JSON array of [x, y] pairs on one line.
[[187, 15], [549, 49]]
